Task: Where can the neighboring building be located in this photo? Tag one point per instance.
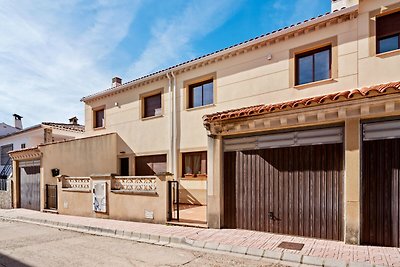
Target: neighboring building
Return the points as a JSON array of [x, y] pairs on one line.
[[6, 129], [30, 137], [26, 139], [309, 155]]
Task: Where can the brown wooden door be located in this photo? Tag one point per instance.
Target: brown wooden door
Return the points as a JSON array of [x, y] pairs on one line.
[[293, 190], [381, 193], [30, 185]]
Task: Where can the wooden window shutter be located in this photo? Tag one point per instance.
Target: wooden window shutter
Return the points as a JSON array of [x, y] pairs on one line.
[[152, 105], [388, 25]]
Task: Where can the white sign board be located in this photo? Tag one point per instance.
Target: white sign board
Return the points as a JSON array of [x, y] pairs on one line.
[[99, 196]]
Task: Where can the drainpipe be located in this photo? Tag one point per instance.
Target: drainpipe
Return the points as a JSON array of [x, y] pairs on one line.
[[171, 128], [175, 130]]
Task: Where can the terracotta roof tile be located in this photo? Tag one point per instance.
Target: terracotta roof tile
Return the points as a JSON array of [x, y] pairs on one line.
[[381, 89]]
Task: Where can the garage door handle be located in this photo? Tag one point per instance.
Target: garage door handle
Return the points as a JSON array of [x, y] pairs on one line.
[[271, 216]]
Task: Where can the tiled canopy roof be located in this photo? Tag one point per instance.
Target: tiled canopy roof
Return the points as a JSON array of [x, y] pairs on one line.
[[382, 89], [66, 126]]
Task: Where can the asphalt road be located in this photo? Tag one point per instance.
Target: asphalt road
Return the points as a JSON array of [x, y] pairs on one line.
[[24, 244]]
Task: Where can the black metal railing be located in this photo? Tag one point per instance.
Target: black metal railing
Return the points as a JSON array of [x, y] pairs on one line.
[[51, 197], [173, 200], [7, 169]]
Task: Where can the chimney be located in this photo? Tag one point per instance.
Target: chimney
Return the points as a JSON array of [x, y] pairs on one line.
[[339, 4], [116, 81], [73, 120], [17, 121]]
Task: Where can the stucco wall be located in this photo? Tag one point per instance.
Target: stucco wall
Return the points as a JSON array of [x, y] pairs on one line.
[[120, 206], [79, 157], [193, 191], [6, 196]]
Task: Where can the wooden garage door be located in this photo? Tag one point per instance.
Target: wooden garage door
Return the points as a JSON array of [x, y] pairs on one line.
[[380, 223], [290, 190], [30, 184]]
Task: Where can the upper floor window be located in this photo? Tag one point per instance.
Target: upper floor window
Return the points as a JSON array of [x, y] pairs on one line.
[[201, 94], [314, 65], [388, 33], [4, 153], [98, 118], [152, 105], [23, 146]]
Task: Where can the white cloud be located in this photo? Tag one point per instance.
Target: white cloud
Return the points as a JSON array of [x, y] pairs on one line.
[[171, 37], [50, 53]]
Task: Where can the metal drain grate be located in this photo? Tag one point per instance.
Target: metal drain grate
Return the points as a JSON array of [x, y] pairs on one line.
[[291, 245]]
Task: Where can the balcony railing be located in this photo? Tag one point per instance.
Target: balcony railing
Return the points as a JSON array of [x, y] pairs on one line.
[[135, 184], [76, 183]]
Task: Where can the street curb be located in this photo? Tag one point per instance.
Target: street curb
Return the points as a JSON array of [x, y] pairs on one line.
[[182, 242]]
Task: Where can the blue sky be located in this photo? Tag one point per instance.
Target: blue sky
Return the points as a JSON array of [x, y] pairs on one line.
[[52, 53]]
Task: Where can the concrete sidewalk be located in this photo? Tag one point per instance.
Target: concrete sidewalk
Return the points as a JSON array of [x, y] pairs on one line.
[[315, 252]]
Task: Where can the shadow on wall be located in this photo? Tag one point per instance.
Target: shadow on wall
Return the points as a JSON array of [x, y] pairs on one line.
[[9, 261], [185, 197]]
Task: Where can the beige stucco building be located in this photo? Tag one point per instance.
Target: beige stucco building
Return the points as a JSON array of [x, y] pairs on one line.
[[271, 134]]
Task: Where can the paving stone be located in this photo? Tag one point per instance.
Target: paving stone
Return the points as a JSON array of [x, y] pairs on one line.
[[255, 252], [224, 247], [239, 250], [63, 224], [155, 238], [211, 245], [162, 243], [135, 235], [199, 244], [287, 256], [108, 231], [275, 255], [165, 239], [119, 232], [313, 260], [189, 241], [177, 240], [360, 264], [144, 237], [334, 263]]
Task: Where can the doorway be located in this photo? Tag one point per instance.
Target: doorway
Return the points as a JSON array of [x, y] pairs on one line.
[[124, 166]]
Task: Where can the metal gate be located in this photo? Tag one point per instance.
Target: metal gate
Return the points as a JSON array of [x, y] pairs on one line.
[[51, 197], [173, 200], [286, 189], [30, 184], [380, 219]]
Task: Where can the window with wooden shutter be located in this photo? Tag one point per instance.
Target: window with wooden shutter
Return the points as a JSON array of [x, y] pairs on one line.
[[98, 118], [388, 33], [152, 106]]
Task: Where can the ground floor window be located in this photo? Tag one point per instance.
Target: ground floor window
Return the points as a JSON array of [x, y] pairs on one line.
[[150, 165], [194, 164]]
